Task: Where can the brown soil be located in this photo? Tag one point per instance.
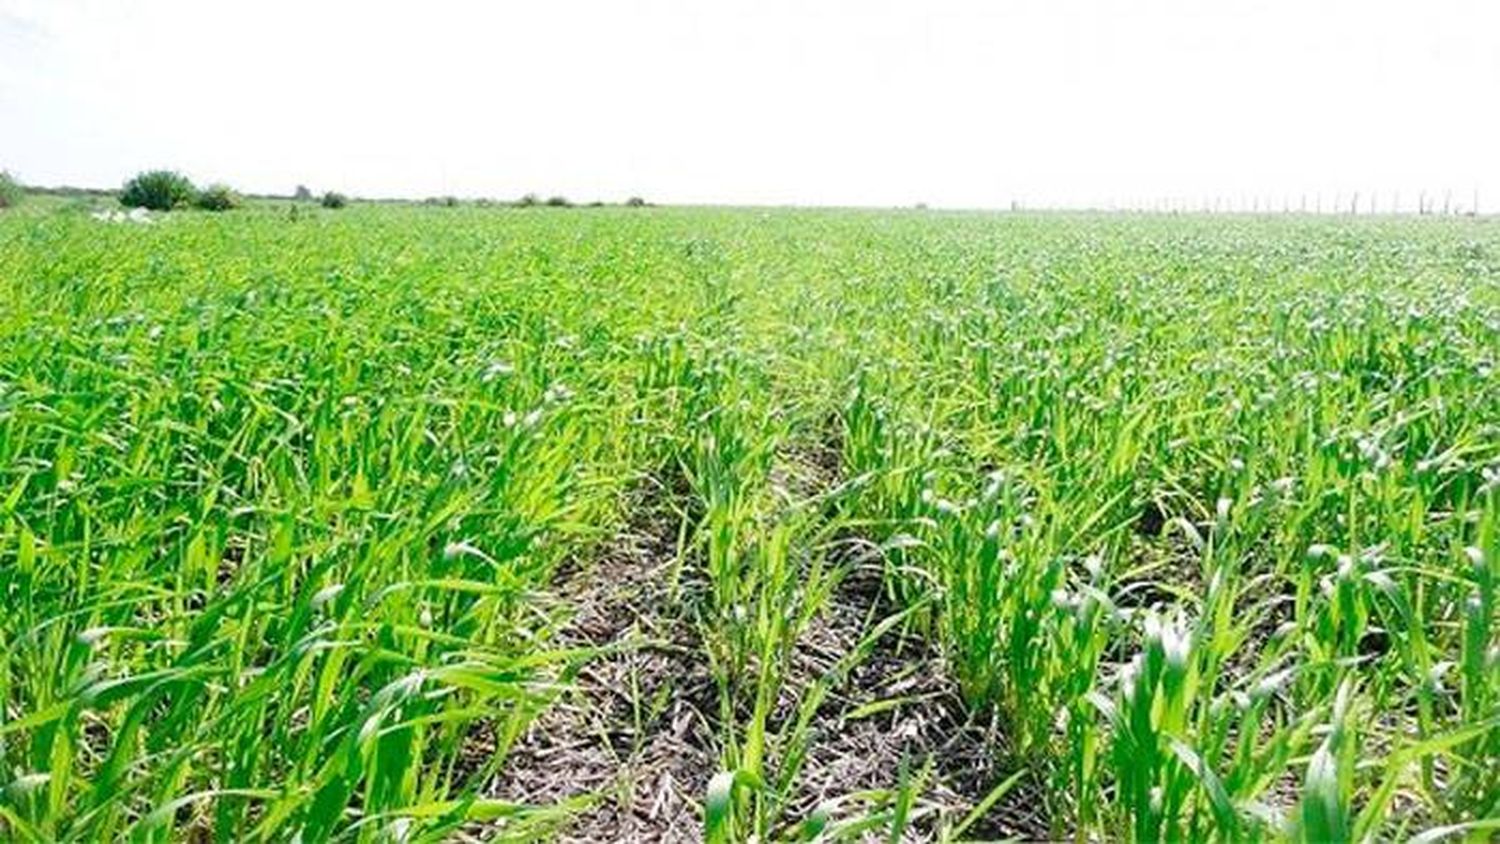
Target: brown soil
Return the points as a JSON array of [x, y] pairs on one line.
[[851, 751], [633, 734]]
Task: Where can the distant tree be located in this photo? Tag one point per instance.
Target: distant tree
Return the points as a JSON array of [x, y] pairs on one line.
[[218, 198], [635, 202], [11, 191], [527, 201], [558, 201], [158, 190], [302, 194], [334, 199]]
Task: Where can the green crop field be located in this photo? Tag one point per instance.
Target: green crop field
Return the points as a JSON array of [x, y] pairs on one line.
[[405, 524]]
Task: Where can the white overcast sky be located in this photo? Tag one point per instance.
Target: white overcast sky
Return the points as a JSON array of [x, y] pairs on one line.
[[951, 102]]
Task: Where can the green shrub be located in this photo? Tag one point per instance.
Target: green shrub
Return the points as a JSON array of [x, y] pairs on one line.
[[11, 191], [635, 202], [158, 190], [527, 201], [218, 198], [334, 199], [558, 201]]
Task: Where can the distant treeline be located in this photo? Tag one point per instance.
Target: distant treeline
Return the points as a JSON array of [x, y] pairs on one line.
[[302, 195]]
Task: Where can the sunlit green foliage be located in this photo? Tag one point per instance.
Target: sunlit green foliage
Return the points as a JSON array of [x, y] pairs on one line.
[[11, 191], [158, 190], [1206, 511]]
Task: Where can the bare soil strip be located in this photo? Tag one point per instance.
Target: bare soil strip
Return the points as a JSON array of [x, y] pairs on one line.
[[635, 730], [899, 706]]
